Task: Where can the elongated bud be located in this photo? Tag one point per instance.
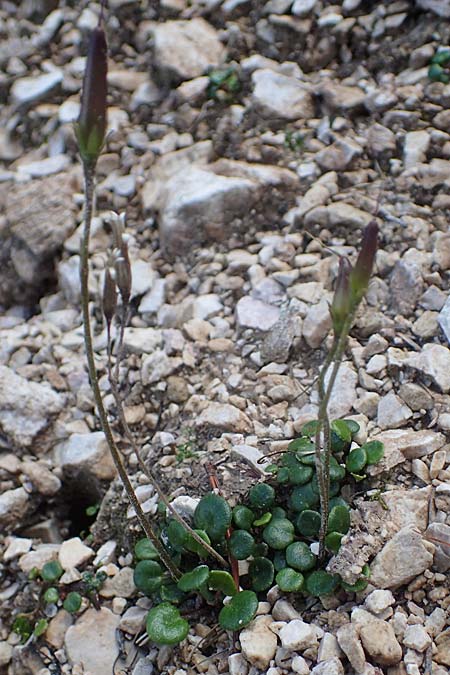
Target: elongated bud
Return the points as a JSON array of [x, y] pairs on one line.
[[122, 267], [91, 125], [109, 296], [341, 306], [361, 273]]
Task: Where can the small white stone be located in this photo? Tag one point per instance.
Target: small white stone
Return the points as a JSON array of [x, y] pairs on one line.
[[74, 553], [300, 666], [298, 635], [379, 600], [17, 546], [416, 637]]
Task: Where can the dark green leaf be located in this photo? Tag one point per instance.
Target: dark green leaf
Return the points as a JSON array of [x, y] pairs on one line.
[[261, 572], [213, 514], [239, 612], [300, 557], [289, 580], [165, 625]]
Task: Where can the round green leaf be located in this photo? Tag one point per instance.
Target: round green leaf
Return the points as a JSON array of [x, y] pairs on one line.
[[321, 583], [241, 544], [341, 436], [437, 74], [51, 571], [213, 514], [165, 625], [333, 541], [177, 535], [72, 603], [301, 446], [51, 595], [339, 520], [278, 512], [193, 580], [148, 576], [356, 460], [279, 560], [300, 557], [374, 451], [310, 428], [145, 550], [441, 57], [261, 496], [308, 523], [243, 517], [301, 474], [353, 426], [192, 544], [219, 580], [337, 471], [283, 475], [279, 533], [289, 580], [261, 572], [303, 496], [171, 593], [239, 612]]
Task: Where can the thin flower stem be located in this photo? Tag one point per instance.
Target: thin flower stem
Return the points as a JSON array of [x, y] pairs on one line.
[[89, 174]]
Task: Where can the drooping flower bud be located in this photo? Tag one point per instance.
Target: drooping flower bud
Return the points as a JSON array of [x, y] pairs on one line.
[[109, 296], [361, 273], [341, 306], [91, 125]]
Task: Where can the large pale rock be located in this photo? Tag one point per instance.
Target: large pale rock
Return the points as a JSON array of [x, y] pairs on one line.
[[281, 97], [317, 324], [401, 559], [348, 639], [392, 412], [439, 7], [434, 362], [298, 635], [329, 667], [39, 218], [251, 313], [186, 49], [342, 98], [74, 553], [379, 642], [224, 416], [27, 90], [408, 507], [26, 408], [258, 642], [91, 642], [344, 392], [86, 452], [443, 648], [13, 507], [401, 444]]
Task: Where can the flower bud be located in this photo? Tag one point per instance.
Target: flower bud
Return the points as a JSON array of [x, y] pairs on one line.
[[341, 306], [360, 274], [91, 126], [109, 296], [122, 268]]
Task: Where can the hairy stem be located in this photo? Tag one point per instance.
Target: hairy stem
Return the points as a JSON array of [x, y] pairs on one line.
[[89, 175]]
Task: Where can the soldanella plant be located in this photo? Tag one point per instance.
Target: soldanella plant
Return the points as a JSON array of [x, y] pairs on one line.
[[288, 525]]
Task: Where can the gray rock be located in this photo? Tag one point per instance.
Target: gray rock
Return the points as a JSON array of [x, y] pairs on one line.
[[186, 49], [142, 340], [350, 644], [340, 213], [13, 508], [417, 638], [392, 412], [27, 90], [251, 313], [29, 241], [344, 393], [258, 642], [317, 324], [303, 7], [408, 507], [86, 452], [279, 96], [439, 534], [297, 635], [444, 319], [379, 600], [401, 559], [224, 416], [121, 585], [43, 167], [158, 366], [415, 148], [434, 362], [379, 642], [329, 667], [401, 444], [45, 482], [406, 287], [439, 7], [339, 156], [278, 341], [133, 620], [73, 553], [381, 141], [95, 655], [342, 98], [26, 408]]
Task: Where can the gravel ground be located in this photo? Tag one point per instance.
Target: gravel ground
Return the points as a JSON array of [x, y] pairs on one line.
[[250, 142]]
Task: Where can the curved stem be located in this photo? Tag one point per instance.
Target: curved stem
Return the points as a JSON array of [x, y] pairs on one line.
[[89, 173]]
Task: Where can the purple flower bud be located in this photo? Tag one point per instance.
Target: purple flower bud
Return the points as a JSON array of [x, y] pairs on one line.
[[91, 126], [341, 306], [109, 296], [361, 273]]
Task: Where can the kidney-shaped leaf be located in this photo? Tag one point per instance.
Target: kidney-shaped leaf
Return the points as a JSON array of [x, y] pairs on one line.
[[165, 625], [193, 580], [213, 515], [239, 612]]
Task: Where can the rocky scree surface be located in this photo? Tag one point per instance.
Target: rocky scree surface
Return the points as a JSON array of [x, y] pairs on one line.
[[240, 194]]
